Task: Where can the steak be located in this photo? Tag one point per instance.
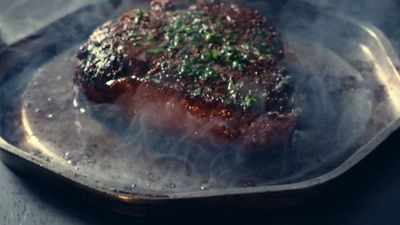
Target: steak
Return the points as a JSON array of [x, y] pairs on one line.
[[210, 72]]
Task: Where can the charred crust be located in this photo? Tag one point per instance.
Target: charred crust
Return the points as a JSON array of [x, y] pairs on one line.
[[162, 5]]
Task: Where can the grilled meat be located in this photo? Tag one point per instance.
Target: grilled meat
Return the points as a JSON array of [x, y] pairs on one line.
[[210, 72]]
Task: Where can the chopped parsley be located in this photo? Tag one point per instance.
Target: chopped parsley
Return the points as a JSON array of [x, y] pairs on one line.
[[204, 51]]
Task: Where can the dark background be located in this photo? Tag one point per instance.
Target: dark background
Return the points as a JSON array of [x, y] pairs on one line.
[[368, 194]]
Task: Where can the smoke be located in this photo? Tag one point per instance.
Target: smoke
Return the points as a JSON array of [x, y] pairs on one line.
[[382, 14], [344, 105], [19, 19], [367, 10]]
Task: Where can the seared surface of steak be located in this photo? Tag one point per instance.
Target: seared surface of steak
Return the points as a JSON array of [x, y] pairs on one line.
[[210, 72]]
